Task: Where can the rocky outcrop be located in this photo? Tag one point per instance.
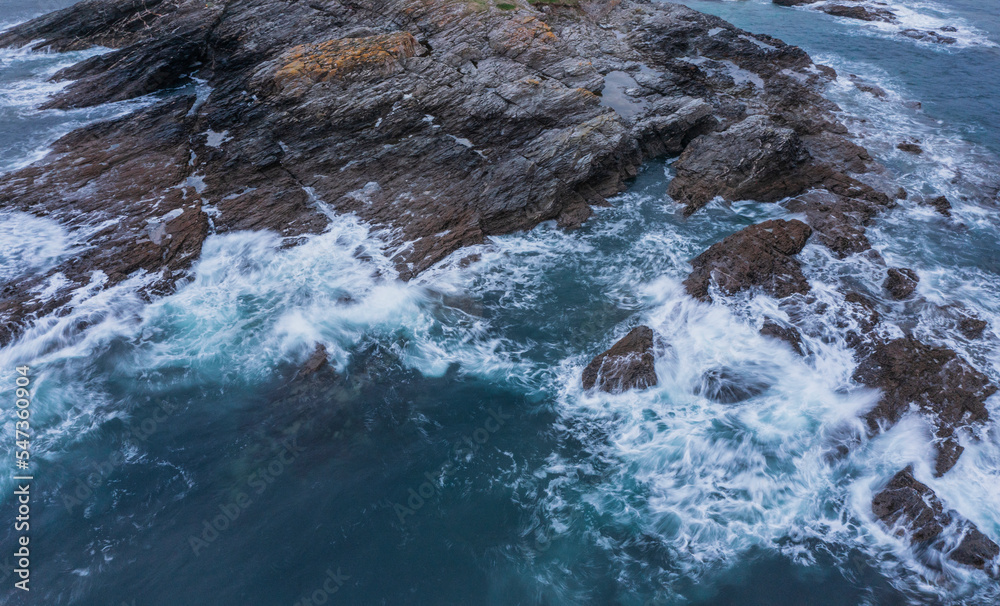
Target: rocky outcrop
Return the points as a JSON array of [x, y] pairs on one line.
[[934, 380], [911, 508], [439, 123], [760, 256], [788, 334], [752, 160], [838, 220], [900, 282], [859, 12], [628, 364]]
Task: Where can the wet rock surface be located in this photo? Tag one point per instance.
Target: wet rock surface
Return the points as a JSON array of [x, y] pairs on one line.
[[900, 282], [859, 12], [440, 123], [912, 508], [752, 160], [788, 334], [628, 364], [935, 381], [760, 256]]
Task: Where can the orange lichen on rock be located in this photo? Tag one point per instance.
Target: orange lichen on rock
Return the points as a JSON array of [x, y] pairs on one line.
[[345, 58]]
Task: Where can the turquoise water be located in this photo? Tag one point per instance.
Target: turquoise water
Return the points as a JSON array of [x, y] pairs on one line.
[[454, 458]]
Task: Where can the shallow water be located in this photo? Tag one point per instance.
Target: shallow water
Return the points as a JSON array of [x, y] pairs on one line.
[[457, 460]]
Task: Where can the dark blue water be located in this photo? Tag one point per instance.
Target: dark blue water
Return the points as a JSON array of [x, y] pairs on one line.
[[451, 456]]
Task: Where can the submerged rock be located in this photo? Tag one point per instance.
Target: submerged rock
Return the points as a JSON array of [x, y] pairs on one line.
[[628, 364], [900, 282], [935, 380], [732, 385], [912, 508], [758, 256]]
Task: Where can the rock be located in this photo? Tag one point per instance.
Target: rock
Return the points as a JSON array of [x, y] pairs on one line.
[[752, 160], [788, 334], [900, 282], [929, 36], [935, 380], [317, 361], [839, 221], [439, 126], [758, 256], [910, 147], [867, 87], [972, 328], [731, 385], [911, 507], [859, 12], [628, 364], [975, 549], [940, 204], [793, 2]]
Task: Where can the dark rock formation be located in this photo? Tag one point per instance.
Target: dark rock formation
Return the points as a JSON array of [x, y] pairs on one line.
[[929, 36], [793, 2], [442, 122], [759, 256], [839, 221], [911, 507], [628, 364], [940, 204], [788, 334], [317, 361], [900, 282], [859, 12], [754, 159], [933, 379], [971, 327], [910, 147]]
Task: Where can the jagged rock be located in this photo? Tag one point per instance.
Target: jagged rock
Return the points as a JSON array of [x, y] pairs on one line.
[[318, 360], [911, 507], [793, 2], [628, 364], [758, 256], [928, 36], [788, 334], [859, 12], [935, 380], [900, 282], [839, 221], [910, 147], [439, 124], [940, 204], [971, 327], [754, 159]]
